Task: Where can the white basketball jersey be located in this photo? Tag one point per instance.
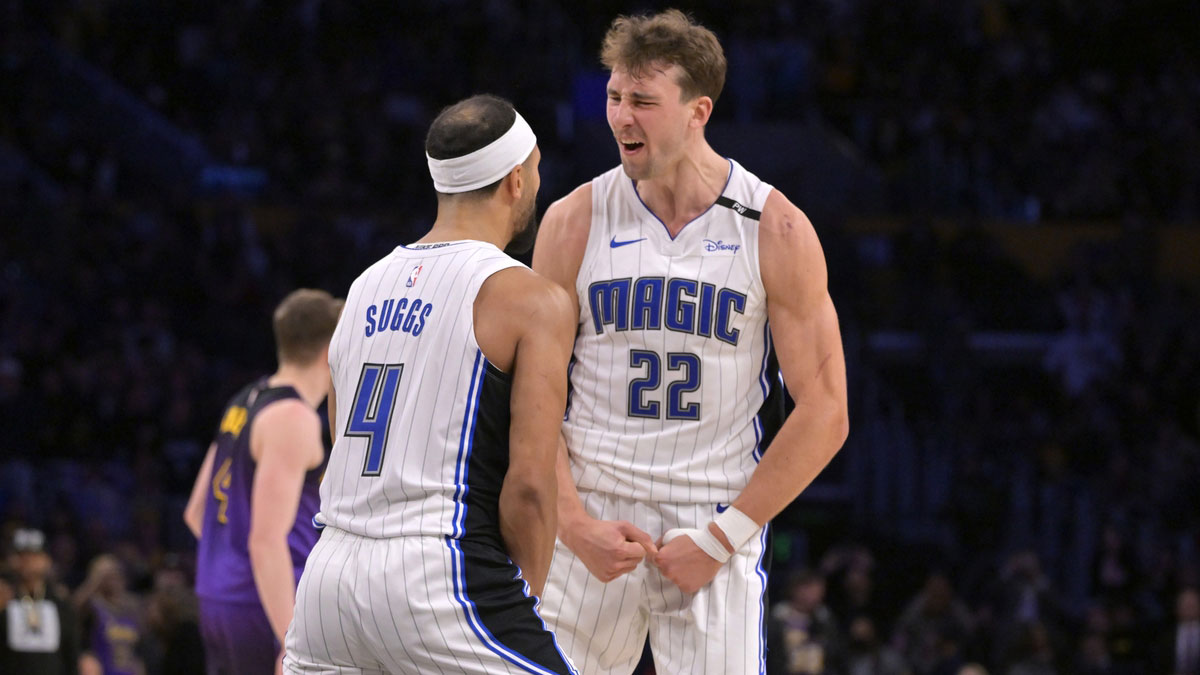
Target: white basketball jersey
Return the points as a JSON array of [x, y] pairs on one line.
[[415, 397], [673, 365]]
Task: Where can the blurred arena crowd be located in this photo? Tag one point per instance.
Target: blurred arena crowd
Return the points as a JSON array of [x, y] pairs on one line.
[[1042, 515]]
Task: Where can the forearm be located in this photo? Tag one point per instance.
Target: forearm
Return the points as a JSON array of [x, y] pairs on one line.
[[271, 563], [193, 513], [527, 523], [808, 440], [570, 506]]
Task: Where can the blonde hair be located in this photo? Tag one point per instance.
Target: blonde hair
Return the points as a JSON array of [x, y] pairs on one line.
[[636, 43]]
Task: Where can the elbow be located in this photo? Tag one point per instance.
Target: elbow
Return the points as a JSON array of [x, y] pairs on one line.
[[529, 496], [841, 426], [193, 522], [259, 545]]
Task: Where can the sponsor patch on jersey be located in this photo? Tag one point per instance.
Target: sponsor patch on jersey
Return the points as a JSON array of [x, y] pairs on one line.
[[412, 277], [720, 246]]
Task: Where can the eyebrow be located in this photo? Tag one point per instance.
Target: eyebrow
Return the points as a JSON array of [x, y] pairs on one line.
[[634, 95]]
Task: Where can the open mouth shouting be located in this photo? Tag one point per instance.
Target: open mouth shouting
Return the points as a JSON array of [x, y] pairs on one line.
[[631, 147]]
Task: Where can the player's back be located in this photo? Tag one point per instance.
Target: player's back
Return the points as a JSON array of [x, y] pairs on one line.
[[223, 569], [422, 418]]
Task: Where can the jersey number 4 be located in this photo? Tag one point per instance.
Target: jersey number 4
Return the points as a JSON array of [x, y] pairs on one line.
[[686, 363], [372, 411]]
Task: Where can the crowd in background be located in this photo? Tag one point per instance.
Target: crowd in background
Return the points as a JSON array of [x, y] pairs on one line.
[[1008, 108], [1056, 524]]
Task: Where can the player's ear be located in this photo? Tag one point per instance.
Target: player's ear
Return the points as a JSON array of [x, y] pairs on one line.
[[516, 181], [702, 107]]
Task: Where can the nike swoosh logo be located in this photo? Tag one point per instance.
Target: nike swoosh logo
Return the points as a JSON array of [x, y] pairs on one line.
[[721, 508], [618, 244]]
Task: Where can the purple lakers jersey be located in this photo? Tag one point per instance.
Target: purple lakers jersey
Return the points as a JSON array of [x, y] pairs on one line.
[[223, 561]]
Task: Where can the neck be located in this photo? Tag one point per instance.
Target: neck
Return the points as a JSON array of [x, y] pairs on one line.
[[34, 587], [311, 382], [481, 220], [688, 188]]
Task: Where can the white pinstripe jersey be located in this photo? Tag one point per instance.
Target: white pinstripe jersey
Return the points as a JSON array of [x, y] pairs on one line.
[[672, 362], [407, 373]]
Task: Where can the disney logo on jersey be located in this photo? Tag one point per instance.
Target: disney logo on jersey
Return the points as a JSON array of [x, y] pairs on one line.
[[719, 245]]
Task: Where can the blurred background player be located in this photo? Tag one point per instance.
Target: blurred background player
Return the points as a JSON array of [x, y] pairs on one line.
[[677, 259], [450, 380], [110, 618], [254, 498], [38, 630]]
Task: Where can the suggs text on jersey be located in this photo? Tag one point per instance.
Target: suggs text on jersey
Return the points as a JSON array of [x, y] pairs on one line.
[[398, 314]]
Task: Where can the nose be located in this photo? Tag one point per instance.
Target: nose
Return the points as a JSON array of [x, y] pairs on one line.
[[620, 114]]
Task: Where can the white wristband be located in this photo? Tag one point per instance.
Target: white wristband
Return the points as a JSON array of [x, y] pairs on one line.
[[704, 539], [738, 527]]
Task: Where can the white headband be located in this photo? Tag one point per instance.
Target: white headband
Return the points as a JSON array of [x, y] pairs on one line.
[[487, 164]]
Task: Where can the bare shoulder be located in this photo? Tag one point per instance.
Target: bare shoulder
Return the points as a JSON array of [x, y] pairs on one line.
[[521, 291], [789, 252], [516, 303], [284, 423], [571, 215], [286, 412], [563, 236], [784, 224]]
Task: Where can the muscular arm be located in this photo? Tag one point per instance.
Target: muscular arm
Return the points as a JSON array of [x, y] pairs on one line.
[[193, 513], [808, 343], [286, 442], [524, 326], [804, 329], [607, 548], [557, 256]]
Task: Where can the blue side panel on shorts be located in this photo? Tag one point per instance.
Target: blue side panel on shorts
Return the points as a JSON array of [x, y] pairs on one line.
[[487, 584], [764, 565]]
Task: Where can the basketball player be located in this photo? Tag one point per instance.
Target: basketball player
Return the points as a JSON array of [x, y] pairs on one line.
[[696, 283], [449, 385], [256, 494]]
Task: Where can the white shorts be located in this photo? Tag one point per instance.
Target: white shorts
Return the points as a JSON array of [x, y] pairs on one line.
[[603, 627], [415, 605]]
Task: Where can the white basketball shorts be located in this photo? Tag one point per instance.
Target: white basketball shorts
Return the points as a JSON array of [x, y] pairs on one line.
[[416, 605], [603, 627]]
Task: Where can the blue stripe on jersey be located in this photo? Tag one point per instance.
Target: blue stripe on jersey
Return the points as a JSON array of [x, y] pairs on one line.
[[457, 559], [537, 602], [464, 445], [762, 619], [762, 381]]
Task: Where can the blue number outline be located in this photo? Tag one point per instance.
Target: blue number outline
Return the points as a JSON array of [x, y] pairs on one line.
[[653, 378], [372, 414], [685, 361], [675, 390]]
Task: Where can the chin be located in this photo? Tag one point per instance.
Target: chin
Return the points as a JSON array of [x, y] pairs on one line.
[[638, 172]]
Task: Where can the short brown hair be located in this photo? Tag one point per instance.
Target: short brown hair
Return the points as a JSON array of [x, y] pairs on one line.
[[636, 43], [303, 324]]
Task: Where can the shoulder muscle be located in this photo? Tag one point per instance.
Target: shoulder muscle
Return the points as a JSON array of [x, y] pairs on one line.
[[563, 237], [515, 303], [289, 426], [789, 252]]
